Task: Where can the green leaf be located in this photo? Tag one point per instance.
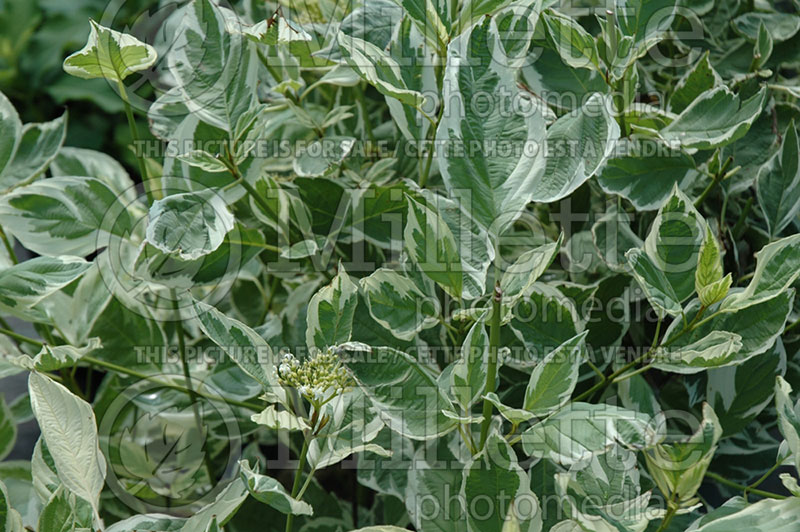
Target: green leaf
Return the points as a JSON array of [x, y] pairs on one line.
[[674, 241], [242, 344], [329, 317], [69, 429], [377, 68], [269, 491], [203, 160], [580, 429], [36, 147], [398, 304], [708, 275], [543, 319], [788, 417], [699, 79], [493, 189], [550, 75], [222, 509], [80, 161], [777, 268], [238, 247], [355, 424], [715, 118], [432, 497], [767, 515], [516, 416], [468, 376], [781, 26], [64, 215], [10, 131], [757, 325], [147, 522], [274, 419], [10, 519], [553, 380], [528, 267], [382, 528], [576, 46], [739, 393], [493, 478], [778, 184], [612, 237], [432, 18], [645, 20], [763, 47], [433, 247], [54, 357], [716, 349], [224, 88], [406, 395], [109, 54], [27, 283], [8, 430], [472, 243], [65, 512], [654, 283], [301, 250], [678, 468], [604, 492], [578, 145], [716, 291], [409, 49], [323, 156], [646, 177], [191, 224]]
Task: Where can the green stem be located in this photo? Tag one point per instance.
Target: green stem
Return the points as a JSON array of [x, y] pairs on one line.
[[627, 376], [758, 482], [491, 369], [21, 338], [298, 477], [671, 511], [193, 398], [791, 326], [740, 223], [735, 485], [362, 104], [707, 191], [423, 176], [630, 365], [9, 247], [139, 375], [135, 139]]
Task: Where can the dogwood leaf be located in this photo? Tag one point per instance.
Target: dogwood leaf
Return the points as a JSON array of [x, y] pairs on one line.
[[109, 54]]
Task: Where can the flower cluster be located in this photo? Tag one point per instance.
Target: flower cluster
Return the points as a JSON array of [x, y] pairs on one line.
[[318, 378]]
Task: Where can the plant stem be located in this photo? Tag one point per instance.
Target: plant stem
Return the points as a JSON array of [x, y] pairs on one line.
[[9, 247], [423, 176], [671, 511], [791, 326], [730, 483], [240, 180], [135, 139], [362, 104], [758, 482], [21, 338], [193, 398], [298, 476], [152, 378], [716, 179], [491, 369]]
